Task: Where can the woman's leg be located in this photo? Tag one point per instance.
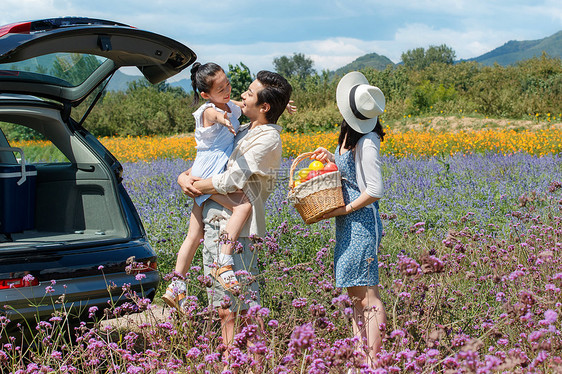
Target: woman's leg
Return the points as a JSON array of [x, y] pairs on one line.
[[368, 314]]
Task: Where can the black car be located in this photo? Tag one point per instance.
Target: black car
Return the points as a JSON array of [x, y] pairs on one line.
[[68, 229]]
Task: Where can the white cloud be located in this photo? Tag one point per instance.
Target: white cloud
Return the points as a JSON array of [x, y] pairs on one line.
[[26, 10], [230, 32]]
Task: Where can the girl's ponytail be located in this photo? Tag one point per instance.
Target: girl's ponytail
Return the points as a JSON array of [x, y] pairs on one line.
[[194, 70]]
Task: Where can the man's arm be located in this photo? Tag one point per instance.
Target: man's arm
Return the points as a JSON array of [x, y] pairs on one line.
[[205, 186], [262, 157]]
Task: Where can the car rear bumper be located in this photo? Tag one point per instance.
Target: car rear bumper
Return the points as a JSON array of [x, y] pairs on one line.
[[74, 297]]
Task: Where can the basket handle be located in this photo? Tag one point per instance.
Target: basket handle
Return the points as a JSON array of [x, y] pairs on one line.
[[294, 165]]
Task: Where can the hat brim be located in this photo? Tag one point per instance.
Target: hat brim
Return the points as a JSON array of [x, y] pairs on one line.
[[342, 98]]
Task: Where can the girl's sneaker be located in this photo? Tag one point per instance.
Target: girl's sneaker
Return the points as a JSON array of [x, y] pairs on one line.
[[175, 294]]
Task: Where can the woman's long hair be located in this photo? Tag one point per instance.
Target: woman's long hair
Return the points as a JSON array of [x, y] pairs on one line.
[[353, 136]]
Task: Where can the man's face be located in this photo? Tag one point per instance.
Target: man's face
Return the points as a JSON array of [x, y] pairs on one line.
[[251, 109]]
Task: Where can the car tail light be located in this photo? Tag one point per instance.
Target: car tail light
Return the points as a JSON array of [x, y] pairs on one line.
[[17, 283], [140, 267], [15, 28], [148, 266]]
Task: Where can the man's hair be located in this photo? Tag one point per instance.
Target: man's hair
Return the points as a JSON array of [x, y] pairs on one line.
[[276, 92]]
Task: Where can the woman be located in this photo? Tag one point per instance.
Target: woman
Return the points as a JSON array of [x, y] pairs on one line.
[[358, 224]]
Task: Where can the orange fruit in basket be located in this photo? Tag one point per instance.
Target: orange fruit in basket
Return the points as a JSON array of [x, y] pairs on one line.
[[316, 165]]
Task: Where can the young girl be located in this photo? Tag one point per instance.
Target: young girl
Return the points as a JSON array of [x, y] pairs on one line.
[[216, 123], [358, 223]]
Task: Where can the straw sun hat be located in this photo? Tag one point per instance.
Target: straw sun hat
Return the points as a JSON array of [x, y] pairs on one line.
[[359, 103]]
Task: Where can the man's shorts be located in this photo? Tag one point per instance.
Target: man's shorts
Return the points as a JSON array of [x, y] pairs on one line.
[[214, 218]]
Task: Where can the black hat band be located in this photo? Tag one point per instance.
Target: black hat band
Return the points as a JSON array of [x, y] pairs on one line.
[[353, 105]]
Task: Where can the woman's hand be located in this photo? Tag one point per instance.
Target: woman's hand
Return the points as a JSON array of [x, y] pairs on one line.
[[336, 212], [186, 180], [323, 155], [362, 201]]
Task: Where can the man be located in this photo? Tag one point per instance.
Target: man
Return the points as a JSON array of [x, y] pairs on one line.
[[252, 167]]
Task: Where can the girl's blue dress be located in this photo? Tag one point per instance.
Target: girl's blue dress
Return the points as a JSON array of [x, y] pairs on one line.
[[214, 144]]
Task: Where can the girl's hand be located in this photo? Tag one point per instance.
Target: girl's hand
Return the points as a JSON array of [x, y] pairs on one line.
[[322, 154], [291, 109], [186, 180], [228, 124]]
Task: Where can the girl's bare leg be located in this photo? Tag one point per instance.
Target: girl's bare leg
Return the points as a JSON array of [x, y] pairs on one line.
[[176, 290], [368, 314], [191, 241]]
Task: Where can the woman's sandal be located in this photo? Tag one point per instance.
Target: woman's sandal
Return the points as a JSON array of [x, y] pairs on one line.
[[216, 273]]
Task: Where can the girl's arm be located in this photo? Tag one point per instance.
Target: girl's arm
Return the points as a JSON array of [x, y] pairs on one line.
[[212, 116], [291, 109]]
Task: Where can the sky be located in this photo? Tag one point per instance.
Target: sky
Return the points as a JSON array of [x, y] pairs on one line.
[[332, 33]]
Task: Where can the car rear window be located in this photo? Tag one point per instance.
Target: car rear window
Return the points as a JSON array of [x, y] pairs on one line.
[[35, 147], [64, 69]]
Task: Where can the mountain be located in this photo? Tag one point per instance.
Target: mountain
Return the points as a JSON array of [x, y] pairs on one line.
[[183, 83], [120, 82], [371, 59], [514, 51]]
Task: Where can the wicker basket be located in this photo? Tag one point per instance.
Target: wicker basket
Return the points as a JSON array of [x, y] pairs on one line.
[[317, 196]]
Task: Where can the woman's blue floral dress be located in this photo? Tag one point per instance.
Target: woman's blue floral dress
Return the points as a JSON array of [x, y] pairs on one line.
[[358, 234]]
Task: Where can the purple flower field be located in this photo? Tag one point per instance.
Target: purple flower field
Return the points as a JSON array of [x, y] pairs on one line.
[[470, 267]]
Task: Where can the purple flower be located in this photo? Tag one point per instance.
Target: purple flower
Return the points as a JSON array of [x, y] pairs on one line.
[[408, 266], [302, 337], [212, 357], [550, 317], [299, 303], [193, 352], [92, 311]]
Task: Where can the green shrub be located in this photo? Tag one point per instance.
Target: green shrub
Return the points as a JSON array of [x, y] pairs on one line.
[[427, 94], [18, 132], [322, 119], [143, 109]]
